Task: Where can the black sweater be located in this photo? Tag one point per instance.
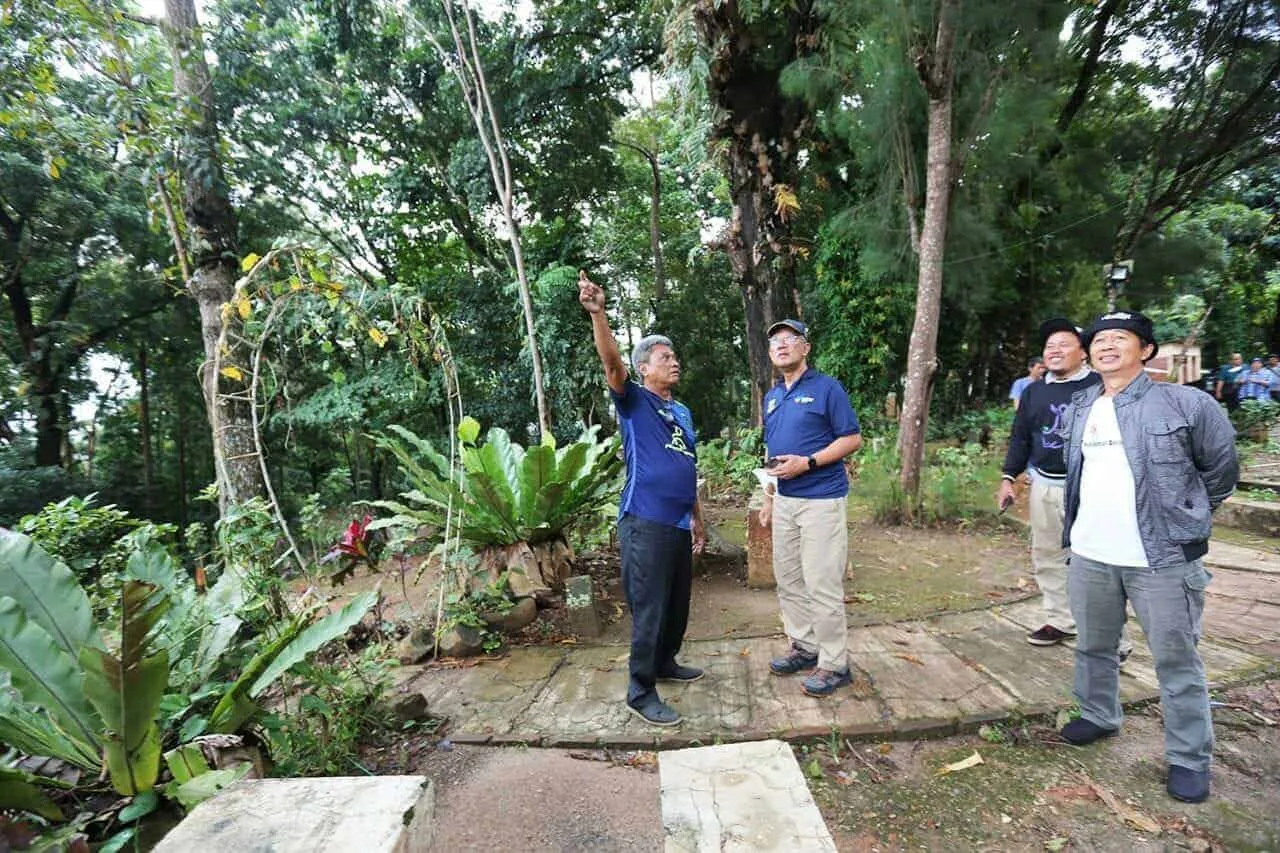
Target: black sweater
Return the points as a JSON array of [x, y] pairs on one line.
[[1034, 442]]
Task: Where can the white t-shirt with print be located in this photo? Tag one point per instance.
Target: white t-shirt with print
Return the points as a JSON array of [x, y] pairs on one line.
[[1106, 525]]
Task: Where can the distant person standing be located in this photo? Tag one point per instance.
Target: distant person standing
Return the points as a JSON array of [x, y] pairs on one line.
[[1228, 388], [1035, 370], [659, 518], [1256, 383], [1273, 364], [1036, 447], [809, 428], [1147, 463]]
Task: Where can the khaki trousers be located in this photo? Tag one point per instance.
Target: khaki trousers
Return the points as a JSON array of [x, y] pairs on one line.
[[1048, 557], [810, 551]]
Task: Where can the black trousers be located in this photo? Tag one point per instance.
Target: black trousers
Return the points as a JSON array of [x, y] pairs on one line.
[[657, 576]]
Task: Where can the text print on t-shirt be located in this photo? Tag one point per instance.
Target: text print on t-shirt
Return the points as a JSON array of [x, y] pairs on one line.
[[677, 442]]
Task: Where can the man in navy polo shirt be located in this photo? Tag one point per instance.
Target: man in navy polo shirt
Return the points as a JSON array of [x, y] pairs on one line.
[[659, 517], [809, 428]]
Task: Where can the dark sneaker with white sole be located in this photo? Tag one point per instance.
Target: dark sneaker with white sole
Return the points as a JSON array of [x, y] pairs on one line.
[[681, 673], [1047, 636], [655, 712], [796, 660], [1081, 732], [1187, 785], [824, 682]]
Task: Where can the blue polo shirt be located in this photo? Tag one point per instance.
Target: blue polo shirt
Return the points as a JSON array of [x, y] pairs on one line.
[[802, 420], [658, 445]]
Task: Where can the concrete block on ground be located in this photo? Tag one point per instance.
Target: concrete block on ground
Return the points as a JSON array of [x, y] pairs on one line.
[[759, 552], [580, 603], [738, 797], [1257, 517], [372, 814]]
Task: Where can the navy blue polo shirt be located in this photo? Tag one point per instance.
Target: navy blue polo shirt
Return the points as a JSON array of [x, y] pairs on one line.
[[658, 445], [802, 420]]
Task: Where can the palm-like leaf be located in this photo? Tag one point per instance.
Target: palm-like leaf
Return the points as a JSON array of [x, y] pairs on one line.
[[31, 731], [47, 592], [126, 690], [19, 790], [45, 675]]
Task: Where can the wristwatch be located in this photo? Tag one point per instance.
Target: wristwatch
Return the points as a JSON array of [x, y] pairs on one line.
[[813, 463]]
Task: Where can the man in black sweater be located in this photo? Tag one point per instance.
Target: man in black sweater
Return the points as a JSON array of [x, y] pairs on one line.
[[1036, 447]]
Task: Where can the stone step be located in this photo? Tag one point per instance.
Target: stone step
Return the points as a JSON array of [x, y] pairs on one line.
[[372, 814], [1259, 517], [739, 797]]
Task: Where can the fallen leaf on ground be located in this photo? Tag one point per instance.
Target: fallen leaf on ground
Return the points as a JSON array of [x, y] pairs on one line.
[[964, 764], [1124, 811], [746, 651], [568, 641], [910, 659], [1067, 793], [620, 658]]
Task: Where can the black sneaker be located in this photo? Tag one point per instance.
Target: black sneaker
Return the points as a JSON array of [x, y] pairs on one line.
[[681, 673], [1047, 636], [796, 660], [1081, 732], [824, 682], [1124, 655], [655, 712], [1187, 785]]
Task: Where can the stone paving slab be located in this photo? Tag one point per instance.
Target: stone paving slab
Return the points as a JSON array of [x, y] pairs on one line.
[[1228, 556], [739, 797], [395, 815], [912, 678]]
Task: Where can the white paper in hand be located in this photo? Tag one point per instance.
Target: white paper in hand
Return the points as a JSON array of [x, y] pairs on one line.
[[768, 482]]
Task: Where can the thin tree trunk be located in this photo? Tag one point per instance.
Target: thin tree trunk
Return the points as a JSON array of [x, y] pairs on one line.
[[469, 71], [211, 225], [182, 458], [936, 75], [144, 429]]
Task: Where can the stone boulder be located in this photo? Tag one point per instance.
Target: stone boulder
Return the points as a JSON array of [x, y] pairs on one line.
[[520, 615], [461, 641], [408, 707], [418, 645]]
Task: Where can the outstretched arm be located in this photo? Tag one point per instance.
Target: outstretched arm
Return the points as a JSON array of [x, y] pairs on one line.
[[591, 295]]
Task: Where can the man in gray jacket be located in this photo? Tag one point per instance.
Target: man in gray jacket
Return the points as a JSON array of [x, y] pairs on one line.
[[1147, 463]]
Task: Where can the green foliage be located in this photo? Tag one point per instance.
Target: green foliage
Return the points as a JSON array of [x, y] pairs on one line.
[[975, 426], [84, 536], [729, 465], [507, 494], [71, 690], [1253, 418], [330, 710], [956, 487]]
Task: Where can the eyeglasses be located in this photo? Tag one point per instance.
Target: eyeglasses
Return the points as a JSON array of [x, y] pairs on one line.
[[784, 341]]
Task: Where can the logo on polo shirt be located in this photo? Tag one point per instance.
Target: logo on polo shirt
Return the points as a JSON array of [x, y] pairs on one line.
[[804, 400], [677, 443], [773, 404]]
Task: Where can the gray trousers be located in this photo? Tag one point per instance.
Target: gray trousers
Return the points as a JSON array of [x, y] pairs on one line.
[[1169, 604]]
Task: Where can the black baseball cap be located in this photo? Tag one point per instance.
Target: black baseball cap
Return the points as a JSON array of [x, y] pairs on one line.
[[1060, 324], [1130, 321], [794, 325]]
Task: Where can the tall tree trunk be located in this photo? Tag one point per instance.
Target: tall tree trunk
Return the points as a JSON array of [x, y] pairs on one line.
[[49, 426], [935, 69], [144, 429], [181, 440], [213, 254], [762, 129]]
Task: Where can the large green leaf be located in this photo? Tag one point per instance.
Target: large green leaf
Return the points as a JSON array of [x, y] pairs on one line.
[[537, 469], [331, 627], [18, 790], [221, 604], [126, 690], [235, 707], [43, 673], [29, 730], [47, 591]]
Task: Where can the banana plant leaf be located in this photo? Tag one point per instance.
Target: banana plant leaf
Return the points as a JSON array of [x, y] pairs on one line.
[[47, 592], [126, 690], [45, 675], [19, 790], [289, 649], [331, 627]]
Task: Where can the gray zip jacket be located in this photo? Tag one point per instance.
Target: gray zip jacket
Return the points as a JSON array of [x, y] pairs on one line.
[[1182, 451]]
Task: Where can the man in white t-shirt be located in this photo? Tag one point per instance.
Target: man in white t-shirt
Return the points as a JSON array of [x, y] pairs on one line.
[[1147, 463]]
